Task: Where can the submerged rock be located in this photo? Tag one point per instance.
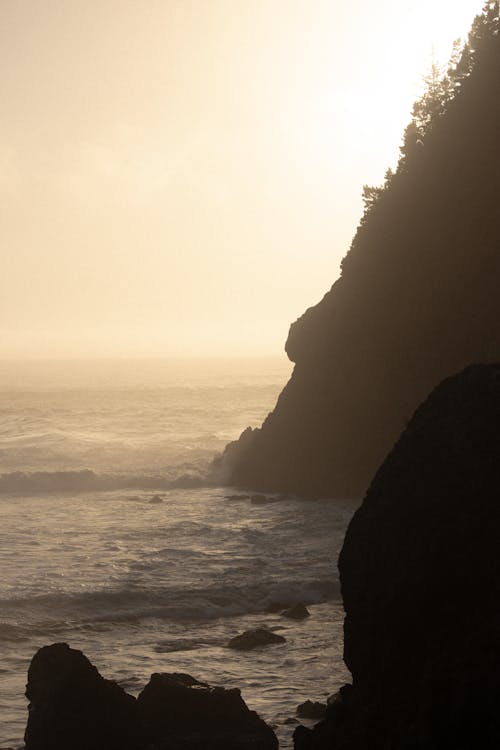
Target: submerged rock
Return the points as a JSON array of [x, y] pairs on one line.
[[275, 606], [420, 575], [180, 713], [263, 500], [255, 639], [258, 499], [156, 499], [72, 706], [297, 611]]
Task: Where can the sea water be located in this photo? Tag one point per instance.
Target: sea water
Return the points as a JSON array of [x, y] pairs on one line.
[[111, 540]]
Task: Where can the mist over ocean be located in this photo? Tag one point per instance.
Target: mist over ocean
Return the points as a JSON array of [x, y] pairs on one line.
[[112, 542]]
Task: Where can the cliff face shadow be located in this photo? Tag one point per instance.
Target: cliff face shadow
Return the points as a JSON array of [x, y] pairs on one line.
[[420, 576]]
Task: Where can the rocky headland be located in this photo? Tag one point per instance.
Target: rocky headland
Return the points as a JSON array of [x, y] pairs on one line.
[[417, 300]]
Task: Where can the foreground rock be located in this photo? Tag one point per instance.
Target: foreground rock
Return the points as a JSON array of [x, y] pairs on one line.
[[73, 708], [180, 713], [420, 575], [255, 638]]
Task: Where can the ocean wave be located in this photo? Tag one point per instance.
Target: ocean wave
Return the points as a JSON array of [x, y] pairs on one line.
[[106, 608], [87, 480]]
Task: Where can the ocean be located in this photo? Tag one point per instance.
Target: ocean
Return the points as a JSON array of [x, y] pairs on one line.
[[113, 541]]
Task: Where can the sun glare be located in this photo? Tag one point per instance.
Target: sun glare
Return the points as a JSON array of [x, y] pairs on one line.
[[183, 161]]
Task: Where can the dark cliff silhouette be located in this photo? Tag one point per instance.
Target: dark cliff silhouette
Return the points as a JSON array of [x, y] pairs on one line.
[[420, 577], [417, 300]]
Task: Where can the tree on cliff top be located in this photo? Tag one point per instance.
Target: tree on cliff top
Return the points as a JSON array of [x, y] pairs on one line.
[[441, 89]]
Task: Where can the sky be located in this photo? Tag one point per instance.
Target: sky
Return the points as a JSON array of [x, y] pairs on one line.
[[183, 177]]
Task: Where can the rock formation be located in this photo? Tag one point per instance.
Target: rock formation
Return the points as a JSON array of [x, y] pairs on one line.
[[73, 707], [418, 298], [311, 710], [181, 713], [420, 576], [255, 638], [297, 611]]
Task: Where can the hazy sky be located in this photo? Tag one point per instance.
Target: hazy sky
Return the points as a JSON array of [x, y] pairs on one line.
[[184, 176]]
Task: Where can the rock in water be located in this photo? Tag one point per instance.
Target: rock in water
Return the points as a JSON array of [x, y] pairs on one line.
[[180, 713], [297, 611], [255, 638], [73, 707], [420, 576], [156, 499]]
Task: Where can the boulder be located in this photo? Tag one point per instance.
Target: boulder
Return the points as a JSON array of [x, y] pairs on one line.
[[72, 706], [255, 639], [180, 713], [324, 735], [155, 500], [311, 710], [420, 577], [297, 611]]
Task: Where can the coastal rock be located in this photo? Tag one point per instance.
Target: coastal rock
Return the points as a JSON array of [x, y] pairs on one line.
[[180, 713], [222, 467], [255, 638], [420, 576], [72, 706], [155, 500], [418, 300], [311, 710], [258, 499], [297, 611]]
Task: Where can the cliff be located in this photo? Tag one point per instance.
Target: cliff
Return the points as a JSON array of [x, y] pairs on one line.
[[420, 576], [417, 300]]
